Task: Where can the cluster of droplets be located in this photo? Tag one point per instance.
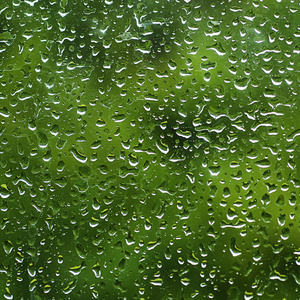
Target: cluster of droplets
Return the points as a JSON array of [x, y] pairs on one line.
[[149, 150]]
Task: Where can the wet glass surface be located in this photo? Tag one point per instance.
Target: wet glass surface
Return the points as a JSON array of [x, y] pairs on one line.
[[149, 149]]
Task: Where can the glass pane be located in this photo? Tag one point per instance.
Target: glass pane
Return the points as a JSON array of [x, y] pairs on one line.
[[149, 149]]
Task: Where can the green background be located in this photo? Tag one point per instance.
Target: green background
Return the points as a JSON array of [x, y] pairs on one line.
[[149, 150]]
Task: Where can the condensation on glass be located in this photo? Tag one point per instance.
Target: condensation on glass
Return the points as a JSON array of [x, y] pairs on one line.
[[149, 149]]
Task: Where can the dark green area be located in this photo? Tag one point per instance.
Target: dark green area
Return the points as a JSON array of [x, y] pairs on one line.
[[149, 150]]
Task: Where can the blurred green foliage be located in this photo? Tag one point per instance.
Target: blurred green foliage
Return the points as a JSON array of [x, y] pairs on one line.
[[149, 150]]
